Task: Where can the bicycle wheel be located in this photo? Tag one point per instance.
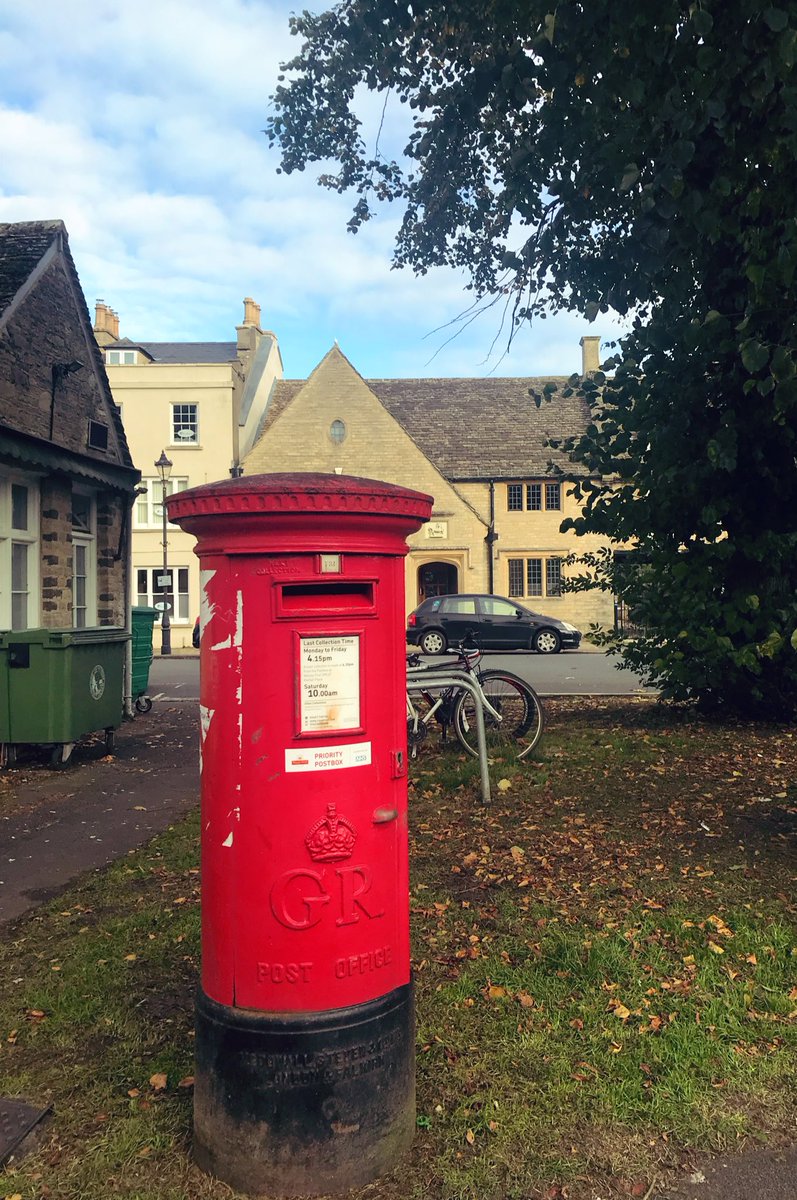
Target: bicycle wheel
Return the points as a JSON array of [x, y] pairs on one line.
[[521, 717]]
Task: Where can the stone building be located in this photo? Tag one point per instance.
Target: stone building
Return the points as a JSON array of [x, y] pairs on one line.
[[201, 403], [478, 446], [67, 480]]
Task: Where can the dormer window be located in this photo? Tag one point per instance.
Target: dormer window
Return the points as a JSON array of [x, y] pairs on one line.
[[121, 358]]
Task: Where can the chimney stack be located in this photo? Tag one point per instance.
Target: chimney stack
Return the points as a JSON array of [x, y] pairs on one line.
[[106, 324], [251, 312], [590, 355]]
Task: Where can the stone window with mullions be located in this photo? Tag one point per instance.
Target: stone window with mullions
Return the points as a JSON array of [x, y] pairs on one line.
[[534, 497], [527, 575], [514, 497]]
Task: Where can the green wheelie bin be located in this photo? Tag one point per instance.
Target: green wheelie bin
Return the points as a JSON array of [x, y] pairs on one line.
[[59, 684], [143, 621]]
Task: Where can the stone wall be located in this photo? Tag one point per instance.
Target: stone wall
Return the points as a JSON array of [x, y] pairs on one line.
[[113, 530], [56, 552], [46, 332]]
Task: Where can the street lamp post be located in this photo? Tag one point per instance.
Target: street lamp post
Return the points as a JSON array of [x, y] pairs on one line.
[[164, 469]]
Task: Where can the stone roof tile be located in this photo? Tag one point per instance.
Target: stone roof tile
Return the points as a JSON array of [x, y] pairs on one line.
[[22, 246], [473, 428], [181, 352]]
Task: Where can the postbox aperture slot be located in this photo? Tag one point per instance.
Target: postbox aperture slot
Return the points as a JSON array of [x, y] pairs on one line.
[[332, 596]]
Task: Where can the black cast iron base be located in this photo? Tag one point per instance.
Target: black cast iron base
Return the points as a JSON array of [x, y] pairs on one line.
[[302, 1104]]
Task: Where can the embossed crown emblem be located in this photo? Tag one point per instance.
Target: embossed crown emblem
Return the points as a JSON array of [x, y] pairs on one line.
[[332, 838]]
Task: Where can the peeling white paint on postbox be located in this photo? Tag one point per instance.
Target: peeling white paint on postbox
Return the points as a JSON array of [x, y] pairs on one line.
[[206, 606], [236, 815], [207, 609], [239, 621], [205, 717]]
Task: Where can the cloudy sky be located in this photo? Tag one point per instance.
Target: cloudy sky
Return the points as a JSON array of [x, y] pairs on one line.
[[139, 124]]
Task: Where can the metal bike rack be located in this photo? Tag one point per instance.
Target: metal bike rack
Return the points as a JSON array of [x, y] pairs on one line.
[[430, 678]]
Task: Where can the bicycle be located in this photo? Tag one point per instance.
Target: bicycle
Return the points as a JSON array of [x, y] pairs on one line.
[[513, 714]]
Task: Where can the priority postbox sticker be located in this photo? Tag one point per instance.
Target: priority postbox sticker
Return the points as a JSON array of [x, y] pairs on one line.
[[329, 691], [328, 758]]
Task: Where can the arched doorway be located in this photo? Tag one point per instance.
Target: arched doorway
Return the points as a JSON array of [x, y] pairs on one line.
[[436, 579]]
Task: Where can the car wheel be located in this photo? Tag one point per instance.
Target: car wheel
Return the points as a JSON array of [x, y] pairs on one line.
[[547, 641], [433, 642]]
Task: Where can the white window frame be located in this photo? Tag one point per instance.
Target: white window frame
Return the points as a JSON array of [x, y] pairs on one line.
[[31, 538], [148, 504], [121, 358], [148, 598], [187, 422], [85, 539]]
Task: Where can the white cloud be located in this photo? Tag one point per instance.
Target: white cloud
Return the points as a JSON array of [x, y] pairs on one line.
[[140, 125]]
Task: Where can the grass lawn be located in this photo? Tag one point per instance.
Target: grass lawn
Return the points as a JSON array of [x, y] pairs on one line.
[[605, 961]]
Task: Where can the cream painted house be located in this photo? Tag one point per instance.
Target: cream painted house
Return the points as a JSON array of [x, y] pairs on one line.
[[477, 445], [200, 402]]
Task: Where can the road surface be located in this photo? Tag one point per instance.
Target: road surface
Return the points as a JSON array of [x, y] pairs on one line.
[[571, 673]]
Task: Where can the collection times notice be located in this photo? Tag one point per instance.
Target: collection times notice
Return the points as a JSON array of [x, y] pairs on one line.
[[329, 683]]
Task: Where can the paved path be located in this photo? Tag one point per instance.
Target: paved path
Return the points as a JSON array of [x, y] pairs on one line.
[[56, 824], [754, 1175]]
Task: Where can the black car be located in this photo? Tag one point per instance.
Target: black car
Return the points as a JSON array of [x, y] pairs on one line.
[[495, 623]]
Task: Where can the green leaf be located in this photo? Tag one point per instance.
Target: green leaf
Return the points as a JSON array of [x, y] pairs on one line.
[[754, 355], [756, 274], [782, 365], [702, 21], [630, 176], [776, 19]]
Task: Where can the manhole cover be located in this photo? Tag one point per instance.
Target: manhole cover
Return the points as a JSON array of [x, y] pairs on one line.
[[16, 1121]]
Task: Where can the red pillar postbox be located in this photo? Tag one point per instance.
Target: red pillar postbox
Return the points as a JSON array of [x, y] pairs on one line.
[[304, 1077]]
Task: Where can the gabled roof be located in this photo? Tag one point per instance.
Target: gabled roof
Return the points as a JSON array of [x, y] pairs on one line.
[[180, 352], [484, 428], [473, 428], [27, 251], [23, 244]]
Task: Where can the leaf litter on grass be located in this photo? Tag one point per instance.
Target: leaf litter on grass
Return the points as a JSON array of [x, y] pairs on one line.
[[604, 961]]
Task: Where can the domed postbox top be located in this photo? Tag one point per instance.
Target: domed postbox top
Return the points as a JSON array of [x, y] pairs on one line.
[[298, 505]]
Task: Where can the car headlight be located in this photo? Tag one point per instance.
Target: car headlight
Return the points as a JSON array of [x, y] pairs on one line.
[[569, 628]]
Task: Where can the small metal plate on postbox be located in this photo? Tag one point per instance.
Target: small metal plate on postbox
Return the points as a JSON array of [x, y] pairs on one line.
[[329, 564], [16, 1121]]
